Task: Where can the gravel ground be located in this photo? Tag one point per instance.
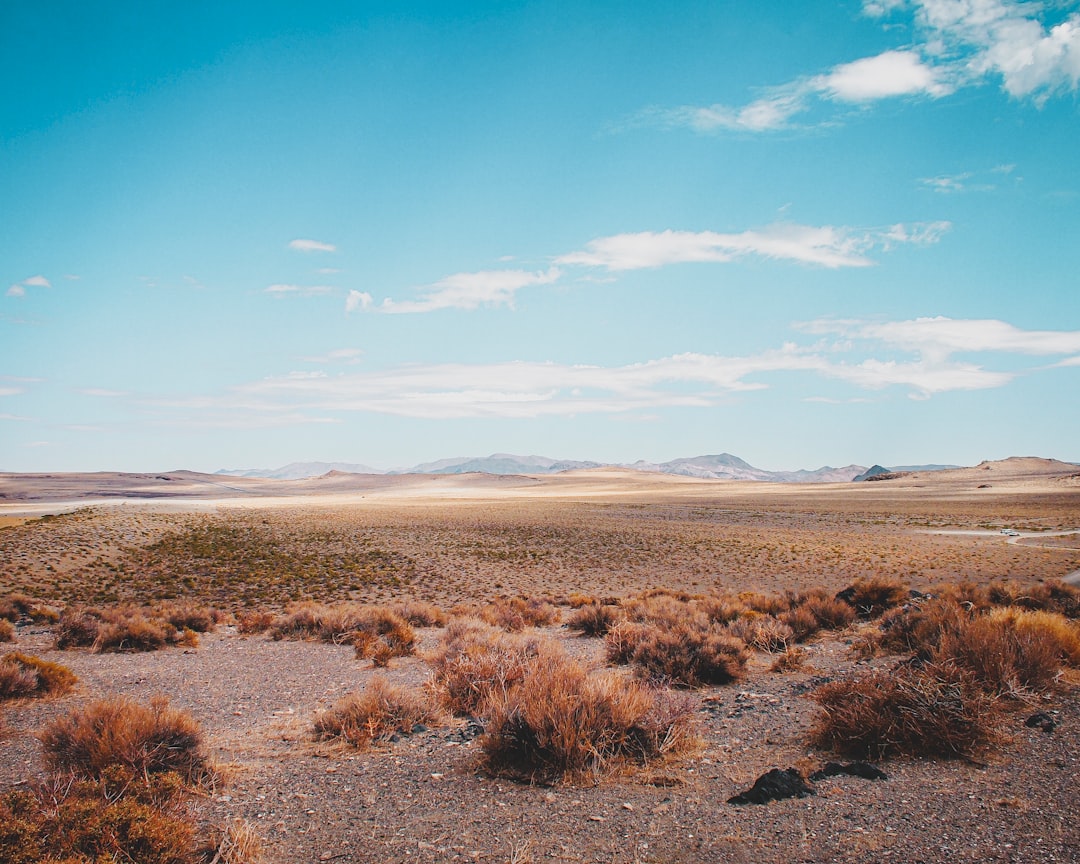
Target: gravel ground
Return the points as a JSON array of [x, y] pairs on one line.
[[421, 799]]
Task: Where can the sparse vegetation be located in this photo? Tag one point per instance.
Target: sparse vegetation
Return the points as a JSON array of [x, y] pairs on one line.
[[23, 675], [375, 714], [517, 613]]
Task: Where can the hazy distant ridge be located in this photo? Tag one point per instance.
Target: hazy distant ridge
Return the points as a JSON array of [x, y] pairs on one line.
[[722, 466]]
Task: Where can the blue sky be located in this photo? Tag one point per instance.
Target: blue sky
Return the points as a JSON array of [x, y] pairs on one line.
[[805, 234]]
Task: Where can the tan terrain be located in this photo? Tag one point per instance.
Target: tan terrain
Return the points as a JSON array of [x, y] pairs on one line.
[[251, 544]]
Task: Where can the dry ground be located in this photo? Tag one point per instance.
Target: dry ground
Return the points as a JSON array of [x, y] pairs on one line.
[[421, 799]]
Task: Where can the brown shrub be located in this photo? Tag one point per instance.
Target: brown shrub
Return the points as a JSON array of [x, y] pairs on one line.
[[253, 621], [802, 621], [7, 631], [147, 740], [124, 818], [928, 710], [560, 723], [721, 609], [766, 604], [23, 675], [1001, 658], [20, 607], [831, 614], [690, 656], [132, 632], [1053, 595], [870, 597], [78, 628], [593, 619], [622, 640], [788, 661], [1063, 633], [517, 613], [420, 614], [238, 843], [762, 632], [475, 660], [344, 624], [576, 600], [190, 616], [664, 610], [375, 714], [918, 627]]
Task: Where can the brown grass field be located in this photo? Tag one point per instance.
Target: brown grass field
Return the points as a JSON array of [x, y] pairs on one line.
[[253, 549]]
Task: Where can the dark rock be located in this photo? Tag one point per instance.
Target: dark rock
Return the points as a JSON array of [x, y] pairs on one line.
[[851, 769], [1041, 720], [774, 785], [471, 730], [419, 727]]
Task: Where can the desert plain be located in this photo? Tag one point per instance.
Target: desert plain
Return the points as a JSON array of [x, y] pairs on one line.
[[463, 541]]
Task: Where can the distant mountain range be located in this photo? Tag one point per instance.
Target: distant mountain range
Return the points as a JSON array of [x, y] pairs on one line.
[[723, 466]]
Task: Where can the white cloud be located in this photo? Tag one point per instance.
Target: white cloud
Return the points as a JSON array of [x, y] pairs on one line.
[[16, 291], [328, 271], [340, 355], [312, 246], [102, 393], [357, 300], [962, 43], [893, 73], [825, 246], [472, 290], [14, 417], [299, 290], [942, 336], [10, 391], [38, 281]]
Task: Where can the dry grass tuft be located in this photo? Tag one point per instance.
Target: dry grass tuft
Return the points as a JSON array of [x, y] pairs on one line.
[[239, 844], [516, 613], [687, 655], [22, 675], [1063, 633], [253, 621], [476, 660], [593, 619], [7, 631], [1002, 658], [871, 597], [762, 632], [148, 740], [420, 614], [560, 723], [20, 607], [928, 710], [790, 660], [375, 714]]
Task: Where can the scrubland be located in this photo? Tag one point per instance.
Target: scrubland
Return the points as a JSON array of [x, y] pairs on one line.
[[515, 680]]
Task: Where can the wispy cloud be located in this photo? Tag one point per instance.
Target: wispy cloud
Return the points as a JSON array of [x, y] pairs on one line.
[[340, 355], [915, 357], [10, 391], [103, 393], [825, 246], [357, 300], [38, 281], [299, 290], [311, 246], [962, 43], [472, 290], [16, 291]]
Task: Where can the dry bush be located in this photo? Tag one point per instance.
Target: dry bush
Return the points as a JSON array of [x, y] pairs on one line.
[[831, 614], [1001, 658], [133, 631], [918, 627], [475, 660], [762, 632], [20, 607], [927, 710], [690, 656], [125, 817], [802, 621], [381, 710], [23, 675], [78, 628], [766, 604], [871, 597], [664, 609], [790, 660], [592, 619], [622, 640], [721, 609], [517, 613], [253, 621], [560, 723], [1063, 633], [576, 600], [147, 740], [238, 844], [190, 616], [7, 631], [972, 597], [420, 614], [1053, 595], [346, 624]]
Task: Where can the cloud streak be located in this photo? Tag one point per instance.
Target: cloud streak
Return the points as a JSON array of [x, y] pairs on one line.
[[864, 355], [962, 43], [472, 290], [311, 246]]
